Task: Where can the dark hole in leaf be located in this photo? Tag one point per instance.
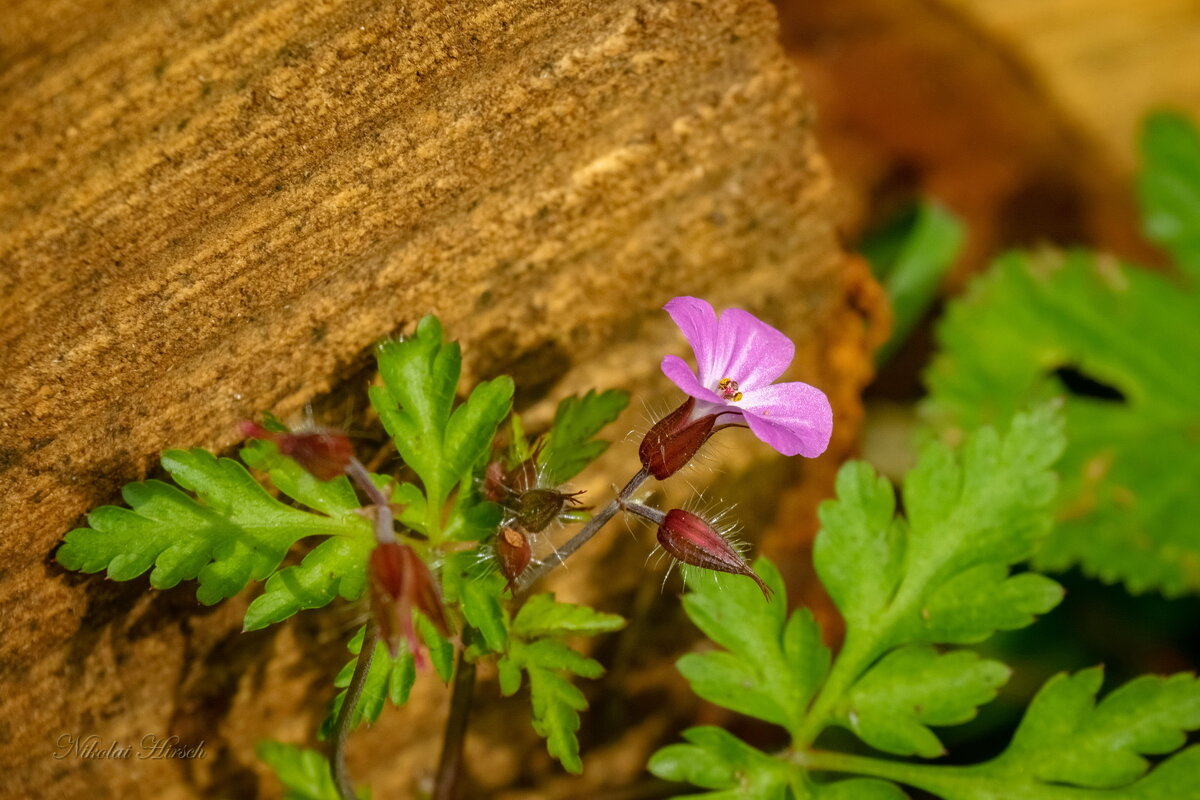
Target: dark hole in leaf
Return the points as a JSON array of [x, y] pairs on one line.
[[1083, 385]]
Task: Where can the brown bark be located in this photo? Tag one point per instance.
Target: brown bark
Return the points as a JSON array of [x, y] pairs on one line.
[[214, 208]]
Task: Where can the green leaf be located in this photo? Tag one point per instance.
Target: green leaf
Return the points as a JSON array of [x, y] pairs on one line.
[[773, 663], [415, 404], [542, 615], [305, 774], [1067, 737], [860, 536], [718, 760], [533, 649], [569, 444], [335, 566], [509, 672], [910, 260], [472, 427], [471, 519], [976, 603], [912, 687], [441, 651], [556, 701], [860, 789], [971, 513], [1169, 186], [231, 532], [387, 678], [1122, 515], [335, 498], [477, 590]]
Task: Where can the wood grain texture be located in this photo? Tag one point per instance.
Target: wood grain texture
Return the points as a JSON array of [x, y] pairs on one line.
[[213, 208]]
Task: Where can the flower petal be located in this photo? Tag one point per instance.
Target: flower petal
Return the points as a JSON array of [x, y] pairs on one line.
[[758, 353], [698, 321], [682, 376], [794, 418]]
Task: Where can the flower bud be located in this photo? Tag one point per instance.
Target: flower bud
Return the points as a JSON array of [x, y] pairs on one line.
[[524, 476], [512, 547], [324, 454], [537, 508], [674, 439], [401, 583], [693, 541], [494, 482]]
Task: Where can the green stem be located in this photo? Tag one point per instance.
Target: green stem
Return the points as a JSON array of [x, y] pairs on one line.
[[946, 782], [854, 658], [341, 728], [857, 654]]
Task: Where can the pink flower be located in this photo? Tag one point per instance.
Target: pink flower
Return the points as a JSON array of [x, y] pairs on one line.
[[739, 358]]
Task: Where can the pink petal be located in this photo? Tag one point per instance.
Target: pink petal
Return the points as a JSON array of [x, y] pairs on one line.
[[794, 418], [682, 376], [758, 353], [698, 321]]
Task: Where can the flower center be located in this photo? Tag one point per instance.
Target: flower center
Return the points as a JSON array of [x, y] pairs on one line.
[[728, 389]]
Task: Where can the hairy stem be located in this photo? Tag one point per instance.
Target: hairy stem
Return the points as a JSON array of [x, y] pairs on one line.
[[601, 518], [450, 764], [341, 728], [385, 529]]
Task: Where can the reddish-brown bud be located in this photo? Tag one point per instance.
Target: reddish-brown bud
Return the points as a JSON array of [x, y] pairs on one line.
[[512, 547], [495, 482], [400, 584], [499, 484], [524, 476], [693, 541], [674, 439], [325, 454]]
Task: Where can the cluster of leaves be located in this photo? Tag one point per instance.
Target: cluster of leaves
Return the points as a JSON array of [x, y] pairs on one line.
[[221, 526], [535, 647], [230, 531], [1120, 344], [908, 585]]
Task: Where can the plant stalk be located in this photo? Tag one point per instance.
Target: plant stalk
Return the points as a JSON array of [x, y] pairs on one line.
[[944, 781], [341, 728]]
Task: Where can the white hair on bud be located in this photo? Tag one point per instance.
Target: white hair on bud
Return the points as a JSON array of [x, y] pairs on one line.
[[651, 414], [720, 515]]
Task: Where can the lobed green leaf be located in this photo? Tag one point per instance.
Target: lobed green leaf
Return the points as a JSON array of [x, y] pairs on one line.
[[718, 760], [773, 663], [389, 678], [569, 444], [1132, 333], [913, 687], [542, 615], [231, 532]]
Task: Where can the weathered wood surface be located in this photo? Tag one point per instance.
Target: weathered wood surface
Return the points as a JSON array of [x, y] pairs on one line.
[[212, 208]]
